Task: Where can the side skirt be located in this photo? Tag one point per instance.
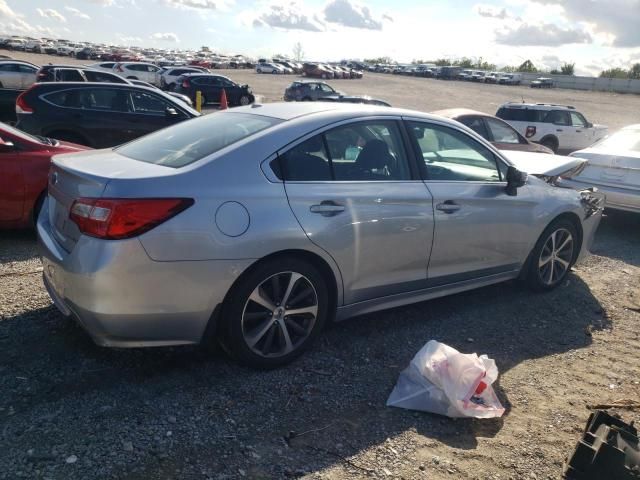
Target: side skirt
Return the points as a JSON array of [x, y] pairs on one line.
[[399, 300]]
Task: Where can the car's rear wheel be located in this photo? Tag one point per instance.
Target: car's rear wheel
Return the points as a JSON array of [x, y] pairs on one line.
[[553, 255], [274, 313], [550, 143]]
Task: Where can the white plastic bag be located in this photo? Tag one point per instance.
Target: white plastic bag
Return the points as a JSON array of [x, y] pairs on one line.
[[442, 380]]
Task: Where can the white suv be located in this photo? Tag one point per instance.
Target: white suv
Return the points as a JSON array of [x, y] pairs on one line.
[[559, 127], [147, 72]]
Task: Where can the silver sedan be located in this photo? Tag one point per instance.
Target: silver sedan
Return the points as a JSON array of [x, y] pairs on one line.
[[257, 225]]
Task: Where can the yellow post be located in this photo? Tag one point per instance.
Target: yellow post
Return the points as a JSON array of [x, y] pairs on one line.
[[199, 101]]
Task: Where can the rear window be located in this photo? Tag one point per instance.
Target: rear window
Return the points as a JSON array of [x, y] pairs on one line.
[[521, 114], [193, 140]]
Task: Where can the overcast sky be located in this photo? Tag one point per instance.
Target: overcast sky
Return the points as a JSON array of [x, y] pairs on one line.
[[595, 34]]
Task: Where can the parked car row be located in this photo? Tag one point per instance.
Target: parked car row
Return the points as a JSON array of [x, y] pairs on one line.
[[309, 90], [327, 71]]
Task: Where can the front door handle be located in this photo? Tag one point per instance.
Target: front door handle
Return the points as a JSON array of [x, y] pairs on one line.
[[578, 131], [448, 207], [327, 208], [559, 130]]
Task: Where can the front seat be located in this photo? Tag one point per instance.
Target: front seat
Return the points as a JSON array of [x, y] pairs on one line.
[[373, 159]]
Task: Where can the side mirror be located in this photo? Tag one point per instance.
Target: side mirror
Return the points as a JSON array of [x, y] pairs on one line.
[[171, 112], [515, 180], [588, 125]]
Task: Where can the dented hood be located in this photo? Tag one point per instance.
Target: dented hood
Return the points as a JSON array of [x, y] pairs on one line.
[[542, 165]]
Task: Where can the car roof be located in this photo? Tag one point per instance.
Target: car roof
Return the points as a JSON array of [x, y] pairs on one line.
[[459, 112], [204, 74], [292, 110], [538, 106]]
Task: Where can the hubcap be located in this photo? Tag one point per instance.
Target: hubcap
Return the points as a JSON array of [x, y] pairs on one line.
[[555, 257], [244, 100], [279, 315]]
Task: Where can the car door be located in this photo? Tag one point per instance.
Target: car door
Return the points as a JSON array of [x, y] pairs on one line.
[[11, 182], [560, 126], [10, 76], [27, 75], [106, 115], [479, 229], [582, 136], [356, 196]]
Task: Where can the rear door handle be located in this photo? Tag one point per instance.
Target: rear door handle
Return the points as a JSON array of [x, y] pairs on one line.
[[327, 208], [448, 207], [578, 131], [559, 130]]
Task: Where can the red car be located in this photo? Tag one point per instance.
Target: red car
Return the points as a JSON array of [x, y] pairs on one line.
[[24, 166]]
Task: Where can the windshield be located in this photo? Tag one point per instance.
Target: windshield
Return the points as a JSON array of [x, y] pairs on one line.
[[622, 140], [195, 139]]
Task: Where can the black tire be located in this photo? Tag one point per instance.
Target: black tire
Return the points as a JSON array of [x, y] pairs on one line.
[[550, 143], [306, 99], [204, 99], [1, 86], [545, 271], [242, 316]]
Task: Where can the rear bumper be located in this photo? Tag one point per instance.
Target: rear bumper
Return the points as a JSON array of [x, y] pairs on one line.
[[593, 204], [122, 298], [616, 198]]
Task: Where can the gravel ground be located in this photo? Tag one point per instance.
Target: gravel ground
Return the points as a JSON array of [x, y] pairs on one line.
[[613, 109], [72, 410]]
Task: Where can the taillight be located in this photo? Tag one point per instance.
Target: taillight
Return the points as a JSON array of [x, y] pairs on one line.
[[531, 131], [119, 218], [21, 103]]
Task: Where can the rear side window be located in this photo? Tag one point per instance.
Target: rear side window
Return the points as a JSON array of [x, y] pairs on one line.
[[8, 67], [104, 99], [190, 141], [476, 124], [68, 75], [102, 77], [521, 114], [361, 151], [64, 98]]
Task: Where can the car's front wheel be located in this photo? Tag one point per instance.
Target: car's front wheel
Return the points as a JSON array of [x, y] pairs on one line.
[[274, 313], [553, 255], [245, 100]]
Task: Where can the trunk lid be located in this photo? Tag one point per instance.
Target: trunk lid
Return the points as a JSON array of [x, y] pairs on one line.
[[86, 174], [616, 169]]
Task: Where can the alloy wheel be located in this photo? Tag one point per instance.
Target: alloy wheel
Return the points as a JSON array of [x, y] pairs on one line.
[[280, 314], [556, 256]]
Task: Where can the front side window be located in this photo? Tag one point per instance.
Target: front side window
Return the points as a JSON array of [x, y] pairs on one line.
[[501, 132], [149, 104], [326, 88], [451, 155], [363, 151], [190, 141], [27, 69], [578, 120]]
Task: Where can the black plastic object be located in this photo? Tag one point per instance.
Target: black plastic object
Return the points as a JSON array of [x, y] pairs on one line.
[[607, 450]]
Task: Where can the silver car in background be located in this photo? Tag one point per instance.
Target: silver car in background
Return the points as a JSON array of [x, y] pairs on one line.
[[257, 225], [613, 166]]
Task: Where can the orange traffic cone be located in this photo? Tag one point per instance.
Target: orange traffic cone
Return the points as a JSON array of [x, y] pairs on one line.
[[224, 104]]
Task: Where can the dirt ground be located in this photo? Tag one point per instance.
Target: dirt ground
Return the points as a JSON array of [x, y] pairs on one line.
[[72, 410]]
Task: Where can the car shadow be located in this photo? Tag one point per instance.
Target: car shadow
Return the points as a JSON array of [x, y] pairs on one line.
[[618, 236], [17, 245], [322, 409]]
